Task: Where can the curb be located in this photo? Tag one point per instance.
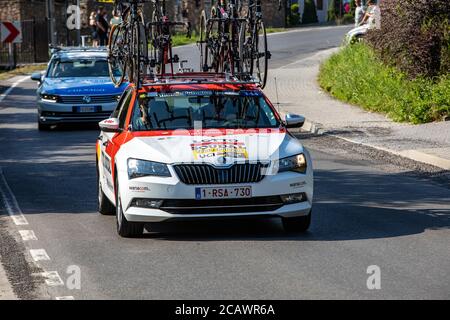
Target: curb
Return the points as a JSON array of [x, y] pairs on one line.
[[415, 155]]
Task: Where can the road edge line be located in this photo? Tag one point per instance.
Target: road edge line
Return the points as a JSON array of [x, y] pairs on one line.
[[11, 87]]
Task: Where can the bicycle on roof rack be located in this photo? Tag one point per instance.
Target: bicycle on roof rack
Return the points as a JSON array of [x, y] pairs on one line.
[[234, 43], [160, 38], [129, 41], [231, 42], [219, 38], [128, 48]]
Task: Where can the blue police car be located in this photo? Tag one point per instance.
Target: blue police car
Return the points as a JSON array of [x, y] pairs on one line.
[[76, 87]]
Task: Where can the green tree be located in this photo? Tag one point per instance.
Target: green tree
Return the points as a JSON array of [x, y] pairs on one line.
[[294, 15], [309, 13]]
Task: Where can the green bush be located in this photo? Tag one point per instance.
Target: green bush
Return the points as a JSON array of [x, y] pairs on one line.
[[309, 13], [294, 15], [331, 13], [348, 18], [356, 75], [414, 36]]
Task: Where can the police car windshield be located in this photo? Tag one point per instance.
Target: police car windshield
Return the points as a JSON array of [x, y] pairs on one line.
[[79, 68], [186, 110]]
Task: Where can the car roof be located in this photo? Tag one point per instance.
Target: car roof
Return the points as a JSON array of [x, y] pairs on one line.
[[79, 52]]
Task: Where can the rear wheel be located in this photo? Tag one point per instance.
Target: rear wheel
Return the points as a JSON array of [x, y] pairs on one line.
[[297, 224], [126, 228]]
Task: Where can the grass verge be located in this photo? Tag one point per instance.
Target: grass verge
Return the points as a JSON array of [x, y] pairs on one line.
[[24, 70], [355, 75]]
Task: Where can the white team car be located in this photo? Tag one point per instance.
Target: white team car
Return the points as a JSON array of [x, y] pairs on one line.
[[201, 147]]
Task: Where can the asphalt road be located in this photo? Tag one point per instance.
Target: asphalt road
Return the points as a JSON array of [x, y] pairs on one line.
[[370, 209]]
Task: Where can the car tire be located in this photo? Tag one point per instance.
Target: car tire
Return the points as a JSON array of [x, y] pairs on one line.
[[297, 224], [125, 228], [43, 127], [105, 207]]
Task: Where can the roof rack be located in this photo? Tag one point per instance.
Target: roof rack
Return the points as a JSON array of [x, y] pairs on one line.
[[198, 78], [55, 49]]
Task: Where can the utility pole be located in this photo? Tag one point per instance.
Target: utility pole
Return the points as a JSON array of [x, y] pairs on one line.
[[51, 20], [78, 24]]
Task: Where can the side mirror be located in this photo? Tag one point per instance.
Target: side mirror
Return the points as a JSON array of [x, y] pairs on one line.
[[109, 125], [36, 76], [294, 121]]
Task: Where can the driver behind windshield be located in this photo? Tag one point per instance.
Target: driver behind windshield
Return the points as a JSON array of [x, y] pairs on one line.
[[142, 122]]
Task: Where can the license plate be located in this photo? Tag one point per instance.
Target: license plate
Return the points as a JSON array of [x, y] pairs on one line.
[[223, 193], [86, 109]]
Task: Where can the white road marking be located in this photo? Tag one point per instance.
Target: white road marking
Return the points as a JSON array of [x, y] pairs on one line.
[[10, 202], [8, 91], [39, 255], [52, 278], [65, 298], [27, 235]]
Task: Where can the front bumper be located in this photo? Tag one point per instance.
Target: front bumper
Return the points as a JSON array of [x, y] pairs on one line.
[[263, 202], [54, 113]]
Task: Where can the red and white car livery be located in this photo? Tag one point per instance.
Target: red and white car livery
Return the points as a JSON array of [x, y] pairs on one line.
[[201, 148]]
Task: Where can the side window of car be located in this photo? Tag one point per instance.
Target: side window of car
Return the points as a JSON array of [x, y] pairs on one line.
[[124, 110]]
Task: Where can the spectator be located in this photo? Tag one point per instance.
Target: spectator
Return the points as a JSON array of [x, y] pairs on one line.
[[102, 26], [359, 12], [93, 26], [369, 16], [116, 18]]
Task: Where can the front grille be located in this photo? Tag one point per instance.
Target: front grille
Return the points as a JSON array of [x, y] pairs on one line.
[[76, 115], [217, 206], [94, 99], [208, 174]]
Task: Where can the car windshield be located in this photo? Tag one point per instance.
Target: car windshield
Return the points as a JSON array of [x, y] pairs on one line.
[[187, 110], [79, 68]]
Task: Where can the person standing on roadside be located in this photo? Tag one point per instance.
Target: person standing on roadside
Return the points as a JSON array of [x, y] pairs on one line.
[[359, 12], [116, 18], [102, 26], [93, 26], [369, 16]]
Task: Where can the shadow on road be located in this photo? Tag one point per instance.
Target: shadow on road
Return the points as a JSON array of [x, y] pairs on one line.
[[348, 206]]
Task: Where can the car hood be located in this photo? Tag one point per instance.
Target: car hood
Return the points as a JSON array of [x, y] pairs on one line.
[[252, 145], [75, 86]]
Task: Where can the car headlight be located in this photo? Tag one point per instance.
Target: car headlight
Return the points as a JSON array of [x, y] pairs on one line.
[[141, 168], [295, 163], [49, 97]]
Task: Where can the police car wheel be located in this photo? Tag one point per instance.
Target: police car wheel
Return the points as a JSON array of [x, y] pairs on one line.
[[297, 224], [105, 207], [125, 228], [43, 127]]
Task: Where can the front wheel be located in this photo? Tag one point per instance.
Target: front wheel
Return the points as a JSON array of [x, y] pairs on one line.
[[125, 228], [117, 55], [297, 224], [105, 207], [262, 54], [43, 127]]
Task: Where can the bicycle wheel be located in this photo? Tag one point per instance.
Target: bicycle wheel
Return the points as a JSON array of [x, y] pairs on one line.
[[141, 51], [246, 51], [157, 50], [117, 56], [213, 58], [202, 41], [262, 54]]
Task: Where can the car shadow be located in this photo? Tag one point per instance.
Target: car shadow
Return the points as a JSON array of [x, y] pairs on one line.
[[348, 206]]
